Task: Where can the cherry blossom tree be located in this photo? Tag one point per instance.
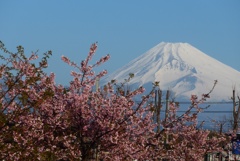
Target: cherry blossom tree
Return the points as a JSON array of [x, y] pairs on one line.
[[40, 120]]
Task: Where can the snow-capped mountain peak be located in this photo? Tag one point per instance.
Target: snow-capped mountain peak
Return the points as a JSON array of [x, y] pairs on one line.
[[181, 68]]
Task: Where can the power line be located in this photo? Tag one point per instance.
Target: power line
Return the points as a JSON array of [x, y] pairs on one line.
[[187, 102], [204, 111], [203, 102]]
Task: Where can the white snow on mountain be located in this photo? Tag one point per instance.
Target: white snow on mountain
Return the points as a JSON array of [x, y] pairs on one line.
[[181, 68]]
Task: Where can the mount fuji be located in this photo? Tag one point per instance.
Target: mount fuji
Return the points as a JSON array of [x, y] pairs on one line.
[[181, 68]]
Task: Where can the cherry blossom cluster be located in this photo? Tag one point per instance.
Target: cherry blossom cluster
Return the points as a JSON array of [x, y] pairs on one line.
[[40, 120]]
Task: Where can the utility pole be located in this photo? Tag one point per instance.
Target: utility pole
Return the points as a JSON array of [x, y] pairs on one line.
[[167, 105], [166, 116], [97, 83], [158, 106], [236, 111]]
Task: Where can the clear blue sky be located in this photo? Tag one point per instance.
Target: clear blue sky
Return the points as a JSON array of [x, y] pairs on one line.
[[124, 29]]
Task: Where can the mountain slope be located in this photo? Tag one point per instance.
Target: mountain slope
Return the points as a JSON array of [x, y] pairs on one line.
[[181, 68]]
